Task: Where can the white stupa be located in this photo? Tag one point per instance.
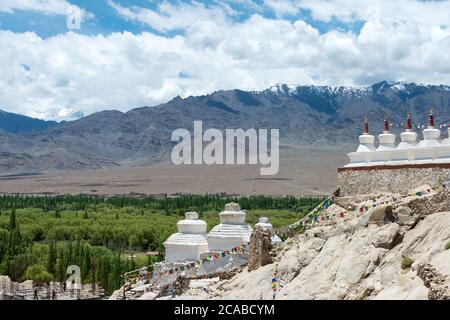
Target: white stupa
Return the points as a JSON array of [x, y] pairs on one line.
[[408, 137], [386, 139], [232, 230], [265, 225], [366, 140], [189, 242], [431, 135]]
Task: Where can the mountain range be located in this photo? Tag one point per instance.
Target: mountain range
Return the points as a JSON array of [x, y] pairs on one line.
[[16, 123], [319, 116]]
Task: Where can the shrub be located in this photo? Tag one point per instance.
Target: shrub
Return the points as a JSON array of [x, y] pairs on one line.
[[447, 246], [407, 262], [39, 274]]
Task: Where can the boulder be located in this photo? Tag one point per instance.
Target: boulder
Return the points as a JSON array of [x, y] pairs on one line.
[[381, 215], [387, 236], [405, 216]]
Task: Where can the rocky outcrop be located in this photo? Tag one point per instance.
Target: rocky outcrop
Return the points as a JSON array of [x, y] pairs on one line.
[[434, 281], [259, 249], [349, 261], [357, 255]]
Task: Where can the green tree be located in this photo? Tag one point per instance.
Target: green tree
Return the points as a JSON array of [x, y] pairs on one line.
[[4, 238], [60, 269], [57, 212], [52, 257], [5, 265], [115, 276], [39, 274], [103, 272], [85, 266], [15, 242], [12, 219], [93, 275], [18, 265]]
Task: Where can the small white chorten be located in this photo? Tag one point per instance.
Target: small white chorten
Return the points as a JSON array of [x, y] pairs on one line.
[[386, 139], [366, 140], [431, 135], [232, 230], [408, 137], [189, 242], [265, 225]]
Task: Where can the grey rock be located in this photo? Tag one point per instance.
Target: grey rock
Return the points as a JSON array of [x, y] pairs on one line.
[[405, 216], [259, 249], [387, 236], [381, 215]]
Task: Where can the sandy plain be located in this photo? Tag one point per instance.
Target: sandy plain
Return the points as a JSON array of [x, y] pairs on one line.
[[303, 171]]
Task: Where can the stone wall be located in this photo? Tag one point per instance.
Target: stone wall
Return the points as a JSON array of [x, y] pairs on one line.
[[400, 179], [259, 249]]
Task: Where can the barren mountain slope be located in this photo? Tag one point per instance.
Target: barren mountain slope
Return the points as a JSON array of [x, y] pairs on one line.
[[306, 115]]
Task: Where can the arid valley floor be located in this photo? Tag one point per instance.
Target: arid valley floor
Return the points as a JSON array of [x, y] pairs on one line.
[[305, 171]]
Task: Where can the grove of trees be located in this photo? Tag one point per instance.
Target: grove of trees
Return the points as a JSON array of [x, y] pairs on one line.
[[40, 236]]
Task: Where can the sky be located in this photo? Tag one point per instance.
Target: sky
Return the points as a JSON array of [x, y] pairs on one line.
[[61, 58]]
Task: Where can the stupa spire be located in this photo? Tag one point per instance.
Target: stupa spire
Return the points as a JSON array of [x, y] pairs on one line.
[[431, 120], [408, 137], [431, 134], [408, 122], [386, 139], [386, 124], [366, 140], [366, 125]]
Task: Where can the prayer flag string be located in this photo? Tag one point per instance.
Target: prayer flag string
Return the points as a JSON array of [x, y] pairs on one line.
[[142, 273]]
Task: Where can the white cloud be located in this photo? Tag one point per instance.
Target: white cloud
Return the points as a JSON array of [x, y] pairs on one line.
[[424, 12], [283, 7], [56, 76], [172, 17], [50, 7]]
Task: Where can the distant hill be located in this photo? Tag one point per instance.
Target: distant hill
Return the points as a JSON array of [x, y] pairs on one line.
[[15, 123], [321, 116]]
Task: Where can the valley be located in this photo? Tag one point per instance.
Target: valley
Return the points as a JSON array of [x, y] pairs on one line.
[[303, 171]]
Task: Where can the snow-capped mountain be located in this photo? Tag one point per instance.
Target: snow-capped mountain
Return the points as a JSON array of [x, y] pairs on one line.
[[322, 116]]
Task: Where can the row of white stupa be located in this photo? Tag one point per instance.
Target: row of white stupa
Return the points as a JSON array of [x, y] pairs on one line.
[[191, 239], [431, 149]]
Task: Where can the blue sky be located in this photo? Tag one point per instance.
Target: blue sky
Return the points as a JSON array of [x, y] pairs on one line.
[[106, 20], [132, 53]]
